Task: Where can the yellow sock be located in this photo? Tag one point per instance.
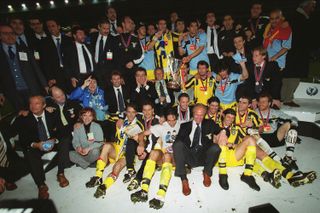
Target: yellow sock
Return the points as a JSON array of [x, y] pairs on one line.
[[257, 168], [222, 161], [100, 167], [165, 177], [110, 180], [272, 165], [250, 159], [147, 174]]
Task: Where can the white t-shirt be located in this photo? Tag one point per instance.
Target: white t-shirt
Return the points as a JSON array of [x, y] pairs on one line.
[[166, 133]]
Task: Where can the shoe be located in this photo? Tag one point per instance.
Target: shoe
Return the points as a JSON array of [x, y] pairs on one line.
[[156, 203], [299, 178], [139, 196], [291, 104], [10, 186], [158, 167], [101, 191], [43, 192], [206, 179], [289, 163], [223, 181], [94, 181], [185, 188], [130, 173], [188, 169], [273, 178], [133, 185], [63, 181], [250, 181]]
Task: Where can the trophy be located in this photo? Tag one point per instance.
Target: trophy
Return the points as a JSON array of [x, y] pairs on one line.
[[174, 66]]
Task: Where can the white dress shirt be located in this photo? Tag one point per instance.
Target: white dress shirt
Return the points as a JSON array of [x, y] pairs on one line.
[[96, 58], [43, 118], [82, 62]]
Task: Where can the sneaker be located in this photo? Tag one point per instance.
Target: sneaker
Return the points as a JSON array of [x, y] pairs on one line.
[[156, 203], [130, 173], [139, 196], [300, 178], [250, 181], [289, 163], [133, 185], [94, 181], [101, 191], [273, 178], [223, 181]]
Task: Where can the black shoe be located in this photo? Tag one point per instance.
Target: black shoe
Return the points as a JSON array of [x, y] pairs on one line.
[[188, 169], [300, 178], [130, 173], [94, 181], [139, 196], [156, 203], [273, 178], [101, 191], [250, 181], [289, 163], [158, 167], [133, 185], [223, 181]]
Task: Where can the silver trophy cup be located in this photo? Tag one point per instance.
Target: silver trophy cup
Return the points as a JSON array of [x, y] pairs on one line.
[[174, 66]]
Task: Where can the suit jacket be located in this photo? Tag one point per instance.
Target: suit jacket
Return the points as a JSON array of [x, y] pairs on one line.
[[71, 61], [208, 129], [139, 96], [271, 80], [50, 58], [29, 70], [111, 98], [27, 129], [109, 46], [70, 111]]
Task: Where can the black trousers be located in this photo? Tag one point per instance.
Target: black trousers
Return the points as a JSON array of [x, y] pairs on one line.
[[33, 157], [214, 62], [131, 149], [17, 169], [64, 147], [183, 155]]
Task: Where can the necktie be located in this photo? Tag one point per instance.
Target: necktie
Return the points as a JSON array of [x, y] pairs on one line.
[[120, 101], [11, 53], [162, 93], [42, 130], [113, 26], [59, 50], [63, 118], [212, 37], [258, 70], [3, 156], [100, 59], [196, 137], [22, 43], [86, 59]]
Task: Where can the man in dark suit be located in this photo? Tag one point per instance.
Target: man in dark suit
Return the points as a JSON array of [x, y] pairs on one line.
[[264, 76], [78, 58], [103, 44], [112, 18], [129, 52], [117, 95], [144, 91], [20, 75], [184, 111], [37, 32], [195, 146], [52, 49], [37, 134], [67, 113]]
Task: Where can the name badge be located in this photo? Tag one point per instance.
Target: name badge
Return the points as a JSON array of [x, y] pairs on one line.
[[23, 56], [36, 55], [90, 136], [109, 56]]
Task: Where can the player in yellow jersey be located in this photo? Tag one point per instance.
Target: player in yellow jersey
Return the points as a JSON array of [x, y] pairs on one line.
[[114, 152], [214, 112], [239, 150], [202, 84]]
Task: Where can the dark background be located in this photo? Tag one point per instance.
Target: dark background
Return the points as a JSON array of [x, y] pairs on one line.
[[90, 11]]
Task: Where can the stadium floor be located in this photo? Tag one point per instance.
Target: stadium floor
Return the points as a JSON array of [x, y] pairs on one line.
[[77, 198]]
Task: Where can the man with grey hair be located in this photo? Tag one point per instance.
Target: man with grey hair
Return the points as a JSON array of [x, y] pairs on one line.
[[298, 57]]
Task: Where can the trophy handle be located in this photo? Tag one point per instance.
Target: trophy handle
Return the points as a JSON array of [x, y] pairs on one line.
[[182, 76]]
